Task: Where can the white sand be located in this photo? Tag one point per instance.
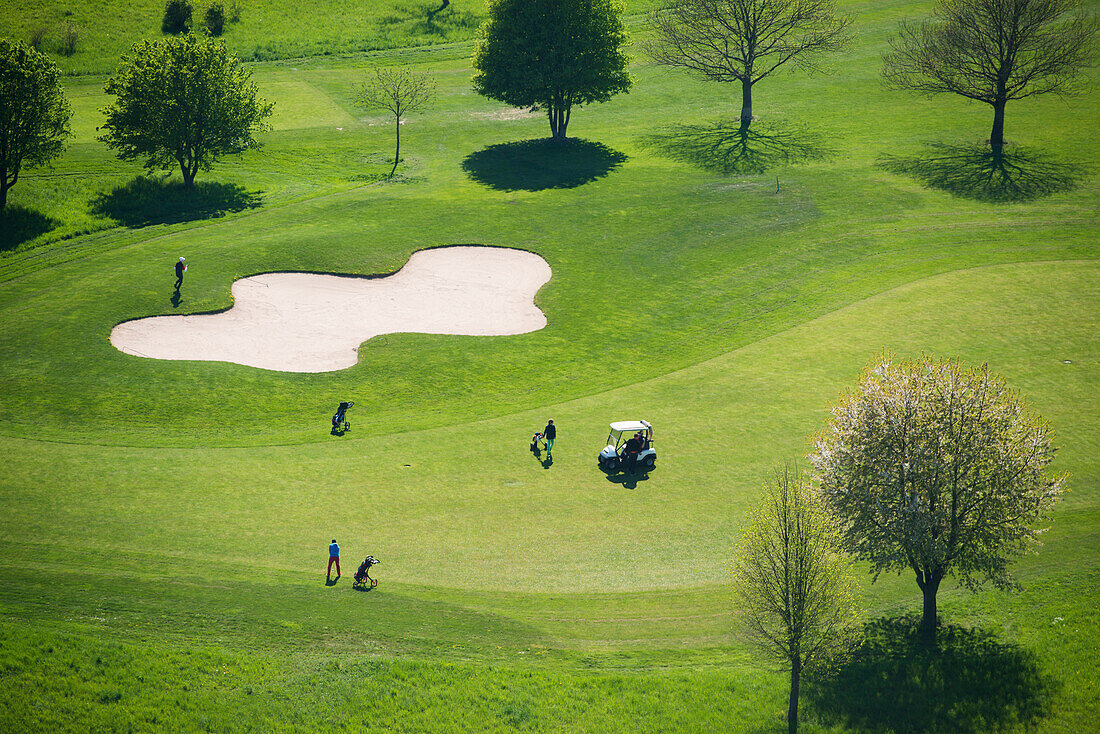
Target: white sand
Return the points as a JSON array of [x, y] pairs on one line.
[[298, 322]]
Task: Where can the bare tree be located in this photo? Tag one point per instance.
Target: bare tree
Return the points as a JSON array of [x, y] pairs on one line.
[[994, 51], [936, 468], [793, 584], [400, 90], [745, 40]]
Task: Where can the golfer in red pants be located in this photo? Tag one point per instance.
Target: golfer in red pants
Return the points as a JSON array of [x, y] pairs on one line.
[[333, 557]]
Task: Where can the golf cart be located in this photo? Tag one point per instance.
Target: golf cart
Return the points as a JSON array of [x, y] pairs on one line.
[[614, 458]]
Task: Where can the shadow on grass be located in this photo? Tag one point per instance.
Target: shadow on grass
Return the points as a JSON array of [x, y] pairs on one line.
[[627, 480], [724, 147], [19, 224], [435, 17], [148, 200], [974, 172], [972, 683], [535, 165]]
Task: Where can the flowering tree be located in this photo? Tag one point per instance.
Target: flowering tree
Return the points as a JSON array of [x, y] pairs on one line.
[[937, 468], [794, 586]]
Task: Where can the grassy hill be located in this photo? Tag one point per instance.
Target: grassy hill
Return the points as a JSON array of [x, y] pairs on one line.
[[163, 524]]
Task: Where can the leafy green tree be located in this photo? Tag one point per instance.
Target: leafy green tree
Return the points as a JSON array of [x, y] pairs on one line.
[[793, 583], [398, 90], [177, 16], [552, 55], [936, 468], [182, 101], [994, 51], [745, 41], [34, 114]]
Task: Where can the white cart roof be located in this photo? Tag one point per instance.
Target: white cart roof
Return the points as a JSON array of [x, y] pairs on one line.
[[629, 426]]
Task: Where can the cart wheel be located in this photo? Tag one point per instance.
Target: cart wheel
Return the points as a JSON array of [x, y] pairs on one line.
[[649, 462]]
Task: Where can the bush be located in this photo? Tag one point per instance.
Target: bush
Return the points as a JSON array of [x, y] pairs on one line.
[[70, 34], [235, 12], [177, 16], [38, 37], [215, 19]]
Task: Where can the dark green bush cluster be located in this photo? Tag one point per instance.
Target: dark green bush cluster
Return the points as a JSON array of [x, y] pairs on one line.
[[177, 16], [214, 19]]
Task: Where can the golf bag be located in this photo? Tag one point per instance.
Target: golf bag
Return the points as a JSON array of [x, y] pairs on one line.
[[340, 422], [363, 581]]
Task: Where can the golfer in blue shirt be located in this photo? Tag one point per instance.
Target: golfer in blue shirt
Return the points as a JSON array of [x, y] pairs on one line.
[[333, 557]]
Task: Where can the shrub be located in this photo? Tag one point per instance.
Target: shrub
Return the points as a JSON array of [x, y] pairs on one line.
[[70, 34], [215, 19], [235, 12], [177, 16], [38, 37]]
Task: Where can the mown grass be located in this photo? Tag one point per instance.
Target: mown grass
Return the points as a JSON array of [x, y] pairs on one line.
[[265, 31], [163, 524]]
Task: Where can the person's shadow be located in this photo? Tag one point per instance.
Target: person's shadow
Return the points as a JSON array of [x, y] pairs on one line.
[[970, 682], [331, 581], [546, 462], [976, 172], [176, 298]]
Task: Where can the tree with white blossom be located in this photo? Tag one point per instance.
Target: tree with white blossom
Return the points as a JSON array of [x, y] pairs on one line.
[[938, 468]]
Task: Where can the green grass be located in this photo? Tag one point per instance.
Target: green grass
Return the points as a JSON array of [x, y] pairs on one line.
[[163, 524]]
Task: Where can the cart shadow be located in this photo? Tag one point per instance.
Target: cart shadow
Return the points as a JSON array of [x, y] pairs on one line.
[[974, 172], [971, 682], [536, 165], [628, 481], [727, 148]]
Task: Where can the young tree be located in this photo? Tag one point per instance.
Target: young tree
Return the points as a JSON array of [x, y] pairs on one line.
[[399, 90], [792, 582], [551, 55], [937, 468], [182, 101], [34, 114], [745, 40], [994, 51]]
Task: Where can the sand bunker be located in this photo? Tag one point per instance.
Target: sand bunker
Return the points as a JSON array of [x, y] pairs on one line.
[[299, 322]]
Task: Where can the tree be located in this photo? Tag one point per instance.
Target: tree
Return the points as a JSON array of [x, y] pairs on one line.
[[937, 468], [993, 51], [793, 584], [177, 16], [745, 40], [400, 91], [183, 101], [551, 55], [34, 114]]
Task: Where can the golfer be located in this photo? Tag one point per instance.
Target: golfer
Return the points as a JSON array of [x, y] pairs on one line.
[[548, 435], [333, 557], [181, 268]]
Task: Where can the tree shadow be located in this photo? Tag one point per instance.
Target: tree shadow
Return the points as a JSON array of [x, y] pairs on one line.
[[435, 17], [146, 200], [975, 172], [19, 224], [727, 148], [970, 683], [535, 165]]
